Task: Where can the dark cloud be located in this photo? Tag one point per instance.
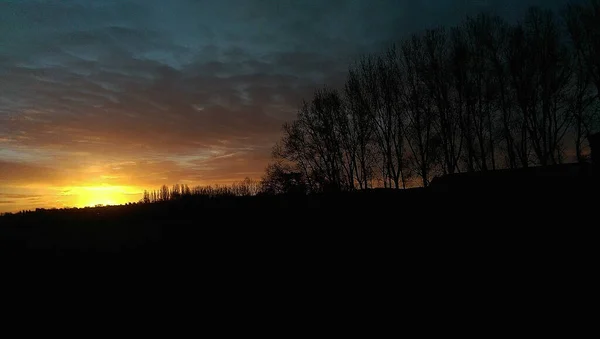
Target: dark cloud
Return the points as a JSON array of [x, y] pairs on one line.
[[13, 173], [19, 196]]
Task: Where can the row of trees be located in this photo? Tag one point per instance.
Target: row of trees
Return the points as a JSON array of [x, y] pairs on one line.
[[480, 96], [247, 187]]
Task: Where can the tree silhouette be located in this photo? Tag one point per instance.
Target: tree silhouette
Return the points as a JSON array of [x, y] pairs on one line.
[[478, 96], [418, 116], [281, 179], [360, 131], [583, 27]]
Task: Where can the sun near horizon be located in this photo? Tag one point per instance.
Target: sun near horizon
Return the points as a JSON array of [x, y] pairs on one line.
[[82, 194], [90, 196], [71, 197]]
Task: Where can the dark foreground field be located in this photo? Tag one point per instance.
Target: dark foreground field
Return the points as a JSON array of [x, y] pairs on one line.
[[374, 257], [376, 220]]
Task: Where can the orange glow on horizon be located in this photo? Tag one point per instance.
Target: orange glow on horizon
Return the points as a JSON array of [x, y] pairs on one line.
[[89, 196]]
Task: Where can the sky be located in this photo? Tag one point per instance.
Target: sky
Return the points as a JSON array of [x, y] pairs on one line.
[[101, 99]]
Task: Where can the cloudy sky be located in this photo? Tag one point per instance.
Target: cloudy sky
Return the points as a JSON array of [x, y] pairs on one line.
[[104, 98]]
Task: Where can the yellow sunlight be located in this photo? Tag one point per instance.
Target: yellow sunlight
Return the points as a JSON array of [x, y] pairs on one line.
[[83, 196]]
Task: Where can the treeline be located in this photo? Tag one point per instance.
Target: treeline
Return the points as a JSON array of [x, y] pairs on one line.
[[480, 96], [246, 187]]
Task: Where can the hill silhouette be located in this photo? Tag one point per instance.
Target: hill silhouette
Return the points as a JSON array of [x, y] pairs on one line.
[[199, 224]]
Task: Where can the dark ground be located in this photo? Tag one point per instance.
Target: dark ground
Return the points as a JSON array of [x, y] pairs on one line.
[[438, 262], [378, 220]]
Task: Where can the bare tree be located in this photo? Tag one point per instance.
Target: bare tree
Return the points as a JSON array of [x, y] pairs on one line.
[[583, 24], [186, 191], [146, 199], [523, 88], [388, 119], [547, 118], [164, 193], [464, 74], [581, 100], [371, 89], [281, 178], [361, 128], [583, 27], [315, 141], [418, 128], [434, 69], [477, 88], [175, 192], [496, 46]]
